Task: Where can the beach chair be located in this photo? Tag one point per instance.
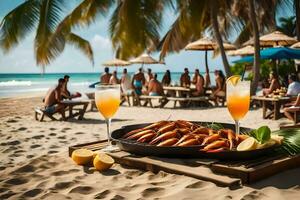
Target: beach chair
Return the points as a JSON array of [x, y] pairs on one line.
[[40, 113]]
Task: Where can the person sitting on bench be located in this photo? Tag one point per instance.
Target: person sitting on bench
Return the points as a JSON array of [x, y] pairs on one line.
[[293, 108], [198, 81], [53, 99], [155, 88]]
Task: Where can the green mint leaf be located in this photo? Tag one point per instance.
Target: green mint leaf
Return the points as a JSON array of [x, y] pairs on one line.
[[263, 134]]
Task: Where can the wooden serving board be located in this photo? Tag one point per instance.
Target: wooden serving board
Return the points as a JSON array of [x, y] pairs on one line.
[[231, 173]]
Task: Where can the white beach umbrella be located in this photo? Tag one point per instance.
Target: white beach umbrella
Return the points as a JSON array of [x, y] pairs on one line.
[[145, 59]]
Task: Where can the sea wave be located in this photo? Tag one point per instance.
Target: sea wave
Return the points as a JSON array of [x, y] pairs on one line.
[[15, 83]]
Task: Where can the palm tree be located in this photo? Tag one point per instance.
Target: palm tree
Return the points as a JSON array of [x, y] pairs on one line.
[[256, 67], [44, 16], [193, 19], [297, 11], [287, 25]]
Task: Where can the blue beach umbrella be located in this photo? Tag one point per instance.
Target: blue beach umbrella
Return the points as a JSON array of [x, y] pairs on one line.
[[276, 53]]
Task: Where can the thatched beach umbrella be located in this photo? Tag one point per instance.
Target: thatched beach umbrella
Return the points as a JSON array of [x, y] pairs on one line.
[[244, 51], [273, 39], [115, 63], [145, 59], [278, 38], [206, 44]]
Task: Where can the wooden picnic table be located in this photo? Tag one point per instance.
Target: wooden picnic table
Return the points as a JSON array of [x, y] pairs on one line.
[[277, 103], [71, 104]]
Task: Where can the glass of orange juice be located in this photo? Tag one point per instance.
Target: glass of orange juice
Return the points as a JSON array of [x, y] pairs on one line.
[[238, 100], [107, 99]]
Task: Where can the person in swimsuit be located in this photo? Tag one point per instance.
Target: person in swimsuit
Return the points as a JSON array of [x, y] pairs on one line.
[[166, 80], [155, 88], [53, 99], [104, 79], [185, 79], [220, 90], [114, 79], [198, 80], [274, 84], [138, 81]]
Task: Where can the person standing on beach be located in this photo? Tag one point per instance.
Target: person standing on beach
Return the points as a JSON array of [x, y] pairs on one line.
[[114, 79], [166, 80], [104, 79], [126, 82], [53, 99], [138, 81], [185, 79], [198, 80]]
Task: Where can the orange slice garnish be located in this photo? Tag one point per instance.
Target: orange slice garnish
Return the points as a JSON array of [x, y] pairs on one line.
[[234, 79]]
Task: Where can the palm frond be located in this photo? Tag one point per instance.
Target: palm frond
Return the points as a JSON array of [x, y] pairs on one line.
[[134, 26], [50, 13], [192, 20], [291, 142], [82, 45], [18, 23]]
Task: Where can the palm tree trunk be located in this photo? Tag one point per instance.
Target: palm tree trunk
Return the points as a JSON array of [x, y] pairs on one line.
[[214, 18], [297, 10], [255, 31]]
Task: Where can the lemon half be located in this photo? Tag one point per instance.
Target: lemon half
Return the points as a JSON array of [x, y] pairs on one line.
[[82, 156], [103, 161], [234, 79], [247, 145]]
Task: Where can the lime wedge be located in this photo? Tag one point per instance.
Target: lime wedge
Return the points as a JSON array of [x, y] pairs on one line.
[[234, 79], [248, 144]]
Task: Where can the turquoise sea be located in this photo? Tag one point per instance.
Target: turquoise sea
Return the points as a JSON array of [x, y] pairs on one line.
[[22, 84]]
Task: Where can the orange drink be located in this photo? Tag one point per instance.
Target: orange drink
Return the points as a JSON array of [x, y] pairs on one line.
[[238, 105], [107, 99], [238, 98], [107, 103]]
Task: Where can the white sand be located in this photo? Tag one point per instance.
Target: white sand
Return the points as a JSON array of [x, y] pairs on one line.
[[34, 160]]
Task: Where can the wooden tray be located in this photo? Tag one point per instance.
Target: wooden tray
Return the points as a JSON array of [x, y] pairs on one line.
[[220, 172]]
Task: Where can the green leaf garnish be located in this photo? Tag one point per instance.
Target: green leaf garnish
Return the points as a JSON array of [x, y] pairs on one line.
[[215, 126], [263, 134]]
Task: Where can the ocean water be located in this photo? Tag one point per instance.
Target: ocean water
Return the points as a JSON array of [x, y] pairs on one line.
[[22, 84]]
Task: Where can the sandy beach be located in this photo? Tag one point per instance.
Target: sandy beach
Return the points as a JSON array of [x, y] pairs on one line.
[[34, 161]]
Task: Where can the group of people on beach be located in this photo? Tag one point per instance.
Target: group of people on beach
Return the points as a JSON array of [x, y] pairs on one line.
[[148, 84], [55, 95]]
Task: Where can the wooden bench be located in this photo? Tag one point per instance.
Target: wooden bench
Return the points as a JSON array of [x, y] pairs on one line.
[[148, 99], [40, 113], [296, 115], [189, 100]]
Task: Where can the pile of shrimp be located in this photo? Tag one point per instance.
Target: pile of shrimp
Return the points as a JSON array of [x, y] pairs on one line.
[[183, 133]]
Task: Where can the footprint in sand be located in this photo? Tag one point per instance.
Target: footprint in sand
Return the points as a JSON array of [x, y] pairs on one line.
[[33, 192], [82, 190], [25, 169], [15, 142], [2, 168], [35, 146], [54, 147], [153, 192], [117, 197], [16, 181], [52, 152], [38, 136], [11, 121], [52, 129], [29, 156], [7, 195], [102, 195], [254, 195], [63, 185], [62, 137], [65, 129], [79, 133], [52, 134], [22, 129]]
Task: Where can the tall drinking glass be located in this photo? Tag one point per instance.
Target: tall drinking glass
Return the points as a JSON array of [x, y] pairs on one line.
[[107, 99], [238, 100]]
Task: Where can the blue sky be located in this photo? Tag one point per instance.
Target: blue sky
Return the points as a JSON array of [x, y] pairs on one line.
[[21, 59]]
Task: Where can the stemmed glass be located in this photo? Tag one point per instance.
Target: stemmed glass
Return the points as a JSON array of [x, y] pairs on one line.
[[238, 100], [107, 99]]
